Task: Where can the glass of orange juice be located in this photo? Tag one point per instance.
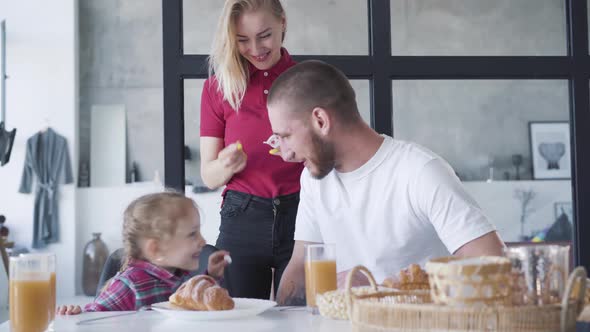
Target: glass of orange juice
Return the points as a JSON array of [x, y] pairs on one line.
[[320, 272], [49, 259], [30, 292]]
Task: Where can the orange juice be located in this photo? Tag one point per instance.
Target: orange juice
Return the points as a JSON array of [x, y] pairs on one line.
[[320, 277], [29, 302], [52, 298]]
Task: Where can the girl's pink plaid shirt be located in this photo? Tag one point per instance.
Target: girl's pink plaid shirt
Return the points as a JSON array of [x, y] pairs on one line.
[[141, 284]]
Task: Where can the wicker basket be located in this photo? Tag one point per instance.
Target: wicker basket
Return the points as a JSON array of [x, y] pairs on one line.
[[473, 281], [376, 313], [335, 304]]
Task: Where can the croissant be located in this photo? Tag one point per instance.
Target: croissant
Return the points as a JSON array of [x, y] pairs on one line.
[[202, 293], [412, 278]]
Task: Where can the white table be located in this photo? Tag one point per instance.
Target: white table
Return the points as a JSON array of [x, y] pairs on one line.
[[276, 319]]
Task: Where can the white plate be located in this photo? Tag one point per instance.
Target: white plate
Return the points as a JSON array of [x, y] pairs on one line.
[[243, 308]]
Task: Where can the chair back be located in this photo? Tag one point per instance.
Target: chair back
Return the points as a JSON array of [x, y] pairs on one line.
[[110, 269], [4, 254]]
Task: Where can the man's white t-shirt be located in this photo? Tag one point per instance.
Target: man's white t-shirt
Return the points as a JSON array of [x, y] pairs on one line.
[[404, 206]]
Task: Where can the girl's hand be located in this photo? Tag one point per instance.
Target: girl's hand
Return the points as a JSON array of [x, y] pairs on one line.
[[68, 310], [217, 263], [233, 157]]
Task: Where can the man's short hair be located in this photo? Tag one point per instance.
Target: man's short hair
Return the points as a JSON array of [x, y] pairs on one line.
[[313, 83]]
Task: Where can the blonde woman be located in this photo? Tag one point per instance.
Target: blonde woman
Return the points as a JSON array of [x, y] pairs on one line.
[[261, 191]]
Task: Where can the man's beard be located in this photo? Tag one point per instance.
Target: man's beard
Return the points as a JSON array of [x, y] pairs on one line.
[[324, 157]]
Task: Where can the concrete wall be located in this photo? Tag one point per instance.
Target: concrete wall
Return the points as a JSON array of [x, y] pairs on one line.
[[121, 63], [473, 124], [470, 122], [42, 90], [499, 27]]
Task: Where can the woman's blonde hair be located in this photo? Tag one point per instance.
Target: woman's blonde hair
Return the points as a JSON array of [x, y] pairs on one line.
[[152, 216], [230, 68]]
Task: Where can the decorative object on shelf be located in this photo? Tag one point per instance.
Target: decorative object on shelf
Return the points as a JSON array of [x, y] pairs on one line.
[[490, 163], [3, 229], [187, 160], [187, 153], [525, 197], [560, 230], [517, 162], [84, 176], [157, 179], [564, 208], [4, 244], [95, 256], [133, 174], [550, 150]]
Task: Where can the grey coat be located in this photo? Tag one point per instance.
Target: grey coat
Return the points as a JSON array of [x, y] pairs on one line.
[[48, 161]]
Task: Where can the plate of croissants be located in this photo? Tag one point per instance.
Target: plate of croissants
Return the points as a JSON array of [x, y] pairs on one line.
[[201, 298]]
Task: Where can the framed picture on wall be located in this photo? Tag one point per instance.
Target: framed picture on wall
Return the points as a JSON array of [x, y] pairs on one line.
[[550, 150]]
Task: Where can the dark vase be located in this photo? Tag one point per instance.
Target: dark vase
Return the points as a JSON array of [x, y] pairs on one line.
[[3, 229], [95, 255]]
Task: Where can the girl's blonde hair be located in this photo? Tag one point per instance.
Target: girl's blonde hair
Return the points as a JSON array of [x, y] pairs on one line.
[[230, 68], [152, 216]]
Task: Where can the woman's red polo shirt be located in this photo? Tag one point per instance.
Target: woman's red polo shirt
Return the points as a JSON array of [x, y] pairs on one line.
[[265, 175]]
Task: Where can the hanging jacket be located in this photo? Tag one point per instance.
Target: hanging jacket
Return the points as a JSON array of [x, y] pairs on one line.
[[48, 161]]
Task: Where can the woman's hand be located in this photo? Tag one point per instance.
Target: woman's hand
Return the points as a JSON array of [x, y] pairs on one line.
[[217, 263], [233, 158], [68, 310], [219, 163]]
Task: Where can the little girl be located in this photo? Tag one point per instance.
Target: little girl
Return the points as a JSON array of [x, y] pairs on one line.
[[162, 239]]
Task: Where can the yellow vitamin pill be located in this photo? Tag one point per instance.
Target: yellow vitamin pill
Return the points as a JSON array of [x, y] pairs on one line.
[[274, 151], [240, 148]]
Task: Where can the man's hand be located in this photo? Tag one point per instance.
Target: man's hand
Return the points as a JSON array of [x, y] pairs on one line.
[[217, 264], [358, 279], [292, 286], [291, 293]]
